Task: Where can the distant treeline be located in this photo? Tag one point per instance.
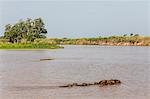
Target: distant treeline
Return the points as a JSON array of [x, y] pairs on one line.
[[132, 40]]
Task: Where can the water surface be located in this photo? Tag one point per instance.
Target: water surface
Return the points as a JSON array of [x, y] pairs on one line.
[[23, 76]]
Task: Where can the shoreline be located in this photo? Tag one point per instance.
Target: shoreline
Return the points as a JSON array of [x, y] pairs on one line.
[[55, 43], [62, 47], [103, 41], [29, 49], [29, 46]]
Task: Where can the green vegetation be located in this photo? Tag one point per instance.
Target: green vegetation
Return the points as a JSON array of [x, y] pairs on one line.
[[22, 35], [28, 46], [27, 30], [132, 40]]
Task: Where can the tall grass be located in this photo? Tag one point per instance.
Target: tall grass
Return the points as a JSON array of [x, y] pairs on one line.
[[28, 46], [111, 40]]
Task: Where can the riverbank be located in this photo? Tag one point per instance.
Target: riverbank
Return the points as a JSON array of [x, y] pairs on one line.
[[52, 43], [102, 41], [28, 46]]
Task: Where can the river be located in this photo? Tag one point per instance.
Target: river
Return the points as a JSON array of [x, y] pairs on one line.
[[24, 76]]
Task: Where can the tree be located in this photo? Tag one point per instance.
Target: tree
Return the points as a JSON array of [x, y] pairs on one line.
[[131, 34], [28, 29]]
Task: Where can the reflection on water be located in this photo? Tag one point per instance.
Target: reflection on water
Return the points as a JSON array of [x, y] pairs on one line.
[[23, 76]]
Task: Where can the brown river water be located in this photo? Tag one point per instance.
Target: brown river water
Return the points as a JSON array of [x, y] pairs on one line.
[[24, 76]]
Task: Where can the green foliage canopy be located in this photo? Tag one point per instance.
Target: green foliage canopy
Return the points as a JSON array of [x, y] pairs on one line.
[[28, 29]]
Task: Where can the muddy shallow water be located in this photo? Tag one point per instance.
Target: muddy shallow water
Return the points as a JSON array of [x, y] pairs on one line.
[[24, 76]]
